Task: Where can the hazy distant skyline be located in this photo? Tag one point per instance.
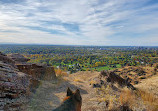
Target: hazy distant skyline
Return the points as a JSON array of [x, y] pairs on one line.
[[79, 22]]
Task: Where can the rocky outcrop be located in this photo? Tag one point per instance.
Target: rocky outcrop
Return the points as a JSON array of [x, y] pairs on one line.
[[35, 72], [18, 58], [14, 86], [17, 79], [112, 77], [7, 60], [38, 71]]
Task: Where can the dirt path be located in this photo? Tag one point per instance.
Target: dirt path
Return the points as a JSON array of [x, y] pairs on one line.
[[82, 80], [48, 96]]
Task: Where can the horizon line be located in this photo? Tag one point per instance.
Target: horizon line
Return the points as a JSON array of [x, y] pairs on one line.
[[78, 45]]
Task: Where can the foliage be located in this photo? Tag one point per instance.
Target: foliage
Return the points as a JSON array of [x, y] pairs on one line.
[[85, 58]]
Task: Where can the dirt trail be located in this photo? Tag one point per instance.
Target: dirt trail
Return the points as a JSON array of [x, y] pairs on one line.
[[82, 80], [48, 96]]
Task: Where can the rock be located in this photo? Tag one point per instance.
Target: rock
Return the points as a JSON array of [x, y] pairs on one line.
[[112, 77], [96, 85], [140, 71], [104, 73], [14, 86], [7, 60], [38, 71], [143, 77], [136, 82], [17, 79], [18, 58]]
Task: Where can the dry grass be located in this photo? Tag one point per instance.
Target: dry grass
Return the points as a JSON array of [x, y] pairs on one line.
[[77, 80], [127, 97], [137, 73], [60, 73], [106, 94], [149, 99], [137, 99], [92, 82], [144, 98]]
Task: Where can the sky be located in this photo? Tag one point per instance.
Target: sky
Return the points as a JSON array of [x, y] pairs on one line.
[[79, 22]]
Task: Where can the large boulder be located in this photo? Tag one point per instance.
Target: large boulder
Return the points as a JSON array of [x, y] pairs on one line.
[[14, 86]]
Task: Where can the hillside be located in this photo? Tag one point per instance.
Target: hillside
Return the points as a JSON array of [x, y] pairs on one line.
[[108, 97], [129, 88], [14, 86], [149, 85], [18, 80]]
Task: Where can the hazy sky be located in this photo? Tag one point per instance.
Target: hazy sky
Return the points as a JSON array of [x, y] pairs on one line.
[[79, 22]]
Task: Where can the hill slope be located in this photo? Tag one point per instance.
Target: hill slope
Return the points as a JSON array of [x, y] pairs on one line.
[[110, 98]]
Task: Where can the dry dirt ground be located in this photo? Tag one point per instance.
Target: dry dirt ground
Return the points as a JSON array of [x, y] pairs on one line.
[[49, 95]]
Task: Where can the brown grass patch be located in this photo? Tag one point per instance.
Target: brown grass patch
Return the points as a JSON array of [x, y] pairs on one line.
[[134, 98], [127, 98], [60, 73], [148, 99], [77, 80], [106, 94]]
